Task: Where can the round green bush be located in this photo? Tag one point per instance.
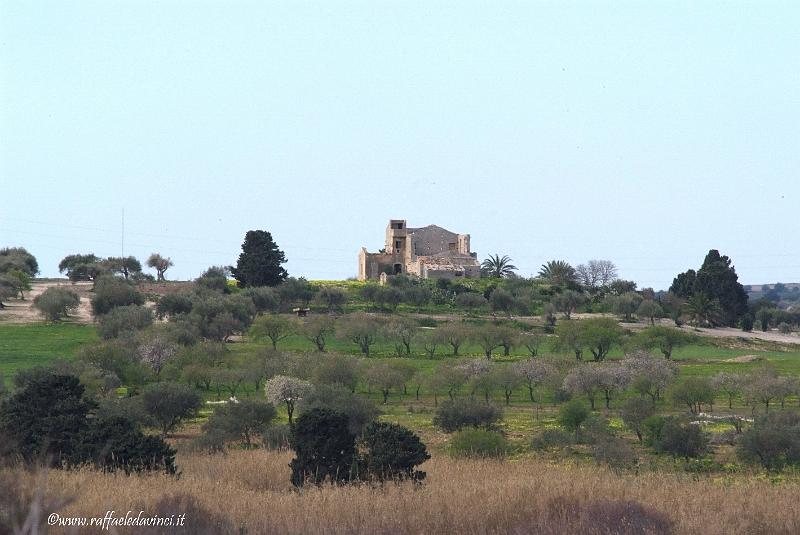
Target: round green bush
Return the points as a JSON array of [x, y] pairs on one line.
[[478, 443]]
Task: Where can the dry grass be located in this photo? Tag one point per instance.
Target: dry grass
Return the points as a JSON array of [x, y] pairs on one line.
[[251, 489]]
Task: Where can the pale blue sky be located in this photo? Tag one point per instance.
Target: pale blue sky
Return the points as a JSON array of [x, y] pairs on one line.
[[642, 132]]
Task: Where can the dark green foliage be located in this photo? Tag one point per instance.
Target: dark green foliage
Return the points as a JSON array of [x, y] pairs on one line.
[[681, 439], [694, 392], [110, 292], [360, 411], [170, 403], [43, 420], [264, 299], [214, 278], [127, 266], [260, 261], [773, 441], [325, 449], [218, 316], [80, 267], [456, 414], [241, 421], [478, 443], [550, 438], [747, 322], [115, 443], [663, 338], [124, 319], [295, 291], [635, 412], [56, 303], [717, 280], [498, 267], [392, 453], [171, 305], [18, 258], [572, 415], [276, 437]]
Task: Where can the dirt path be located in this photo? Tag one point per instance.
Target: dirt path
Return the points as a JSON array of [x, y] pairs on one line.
[[22, 311]]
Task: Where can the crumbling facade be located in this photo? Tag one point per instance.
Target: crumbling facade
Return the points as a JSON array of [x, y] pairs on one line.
[[427, 252]]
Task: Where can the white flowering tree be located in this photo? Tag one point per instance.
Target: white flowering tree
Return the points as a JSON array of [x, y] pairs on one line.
[[156, 352], [287, 390], [534, 373]]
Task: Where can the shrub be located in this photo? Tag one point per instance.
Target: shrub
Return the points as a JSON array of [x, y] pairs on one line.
[[773, 441], [171, 305], [784, 328], [457, 414], [56, 303], [392, 452], [124, 319], [478, 443], [276, 437], [110, 292], [325, 449], [614, 451], [681, 439], [115, 443], [634, 413], [551, 438]]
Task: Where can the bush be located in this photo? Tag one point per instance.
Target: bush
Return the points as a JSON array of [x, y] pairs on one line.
[[478, 443], [392, 453], [614, 451], [325, 449], [455, 415], [116, 444], [773, 441], [784, 328], [276, 437], [624, 518], [170, 403], [110, 292], [171, 305], [551, 438], [681, 439], [124, 319], [240, 421], [56, 303]]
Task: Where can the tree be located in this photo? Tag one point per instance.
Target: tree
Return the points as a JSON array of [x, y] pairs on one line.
[[295, 291], [507, 379], [384, 377], [649, 376], [569, 337], [586, 380], [260, 261], [124, 265], [717, 281], [331, 297], [341, 370], [80, 267], [596, 274], [155, 351], [402, 332], [531, 342], [470, 301], [572, 415], [703, 310], [325, 449], [43, 419], [600, 335], [360, 411], [56, 303], [730, 384], [763, 317], [359, 328], [9, 287], [773, 441], [635, 412], [649, 310], [448, 377], [452, 333], [498, 267], [488, 337], [240, 421], [160, 264], [558, 273], [317, 330], [169, 404], [567, 301], [666, 339], [694, 392], [276, 327], [18, 279], [533, 373], [110, 292], [282, 389], [215, 279], [18, 258], [502, 301], [625, 305], [392, 453]]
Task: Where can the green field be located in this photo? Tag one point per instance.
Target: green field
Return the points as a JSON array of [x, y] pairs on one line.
[[24, 346]]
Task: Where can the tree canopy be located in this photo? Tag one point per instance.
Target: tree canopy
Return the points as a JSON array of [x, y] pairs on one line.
[[260, 261]]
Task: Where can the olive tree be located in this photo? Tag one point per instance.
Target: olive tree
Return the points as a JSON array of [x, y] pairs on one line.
[[384, 377], [453, 334], [276, 327], [360, 329], [56, 303], [318, 330], [169, 404], [160, 264]]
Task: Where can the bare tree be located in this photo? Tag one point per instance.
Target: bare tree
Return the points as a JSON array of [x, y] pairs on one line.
[[597, 273], [534, 373]]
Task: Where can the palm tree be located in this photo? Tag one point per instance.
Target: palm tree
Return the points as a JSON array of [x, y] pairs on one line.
[[498, 267], [703, 310], [559, 273]]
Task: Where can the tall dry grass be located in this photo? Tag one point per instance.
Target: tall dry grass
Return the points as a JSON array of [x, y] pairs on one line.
[[251, 489]]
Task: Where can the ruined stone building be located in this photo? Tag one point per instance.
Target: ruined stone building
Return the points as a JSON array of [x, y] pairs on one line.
[[427, 252]]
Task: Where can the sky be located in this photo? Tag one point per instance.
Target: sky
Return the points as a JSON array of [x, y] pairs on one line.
[[645, 133]]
